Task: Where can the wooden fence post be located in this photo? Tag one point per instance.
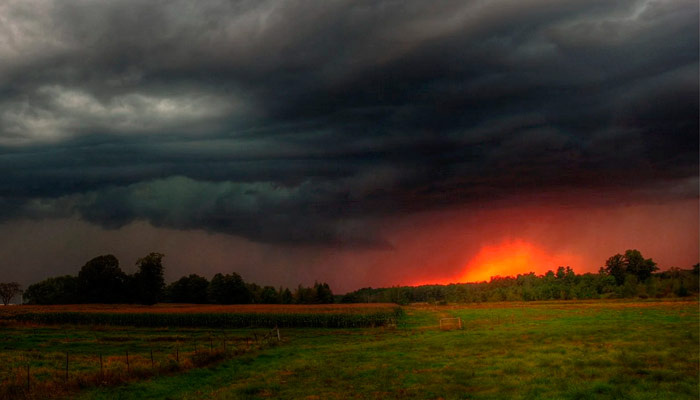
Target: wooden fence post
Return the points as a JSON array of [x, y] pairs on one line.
[[128, 369], [177, 354], [152, 359]]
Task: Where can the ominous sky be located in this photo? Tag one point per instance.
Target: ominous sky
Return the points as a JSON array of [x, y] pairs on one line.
[[362, 143]]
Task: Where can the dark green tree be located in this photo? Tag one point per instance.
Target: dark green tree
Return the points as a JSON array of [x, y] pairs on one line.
[[323, 293], [148, 281], [216, 292], [605, 284], [615, 267], [304, 295], [101, 280], [228, 289], [561, 273], [585, 288], [286, 296], [351, 297], [268, 295], [188, 289], [255, 291], [58, 290], [399, 295], [632, 263], [639, 266]]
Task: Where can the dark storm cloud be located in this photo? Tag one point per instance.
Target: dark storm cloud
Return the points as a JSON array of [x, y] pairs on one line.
[[302, 121]]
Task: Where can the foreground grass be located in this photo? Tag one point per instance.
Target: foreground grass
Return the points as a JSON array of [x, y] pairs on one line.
[[568, 350]]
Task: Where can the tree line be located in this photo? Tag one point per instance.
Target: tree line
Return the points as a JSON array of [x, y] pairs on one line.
[[101, 280], [627, 275]]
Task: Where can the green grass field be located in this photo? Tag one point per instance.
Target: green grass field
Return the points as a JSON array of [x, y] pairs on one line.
[[566, 349]]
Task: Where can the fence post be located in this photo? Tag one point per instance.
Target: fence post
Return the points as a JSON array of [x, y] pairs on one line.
[[102, 373], [152, 359], [279, 339], [211, 344], [177, 354], [66, 377], [128, 369]]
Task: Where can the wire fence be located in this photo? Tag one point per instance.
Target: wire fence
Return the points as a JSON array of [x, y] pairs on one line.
[[36, 374]]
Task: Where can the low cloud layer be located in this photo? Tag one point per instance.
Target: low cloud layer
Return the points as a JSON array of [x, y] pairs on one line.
[[308, 122]]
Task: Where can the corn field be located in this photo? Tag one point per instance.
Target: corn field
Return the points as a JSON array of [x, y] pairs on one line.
[[350, 317]]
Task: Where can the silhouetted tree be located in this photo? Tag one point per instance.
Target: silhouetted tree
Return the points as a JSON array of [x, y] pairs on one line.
[[322, 293], [319, 293], [633, 263], [615, 267], [351, 297], [639, 266], [399, 295], [58, 290], [304, 295], [8, 290], [628, 275], [255, 292], [269, 295], [188, 289], [286, 296], [148, 280], [216, 292], [101, 280], [228, 289]]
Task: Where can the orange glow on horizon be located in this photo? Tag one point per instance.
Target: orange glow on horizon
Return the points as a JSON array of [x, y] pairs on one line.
[[510, 258], [507, 258]]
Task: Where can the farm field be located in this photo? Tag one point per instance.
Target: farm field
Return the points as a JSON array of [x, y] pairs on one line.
[[563, 349], [202, 308], [211, 317]]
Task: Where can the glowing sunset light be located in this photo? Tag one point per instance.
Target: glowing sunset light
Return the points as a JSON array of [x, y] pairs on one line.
[[510, 258]]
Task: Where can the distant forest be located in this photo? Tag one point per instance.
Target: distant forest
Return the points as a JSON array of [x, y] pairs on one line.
[[627, 275], [101, 280]]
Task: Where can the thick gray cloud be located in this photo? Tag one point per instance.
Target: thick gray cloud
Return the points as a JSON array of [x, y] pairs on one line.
[[301, 122]]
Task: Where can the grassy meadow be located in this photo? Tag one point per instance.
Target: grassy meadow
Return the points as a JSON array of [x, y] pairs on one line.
[[560, 349]]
